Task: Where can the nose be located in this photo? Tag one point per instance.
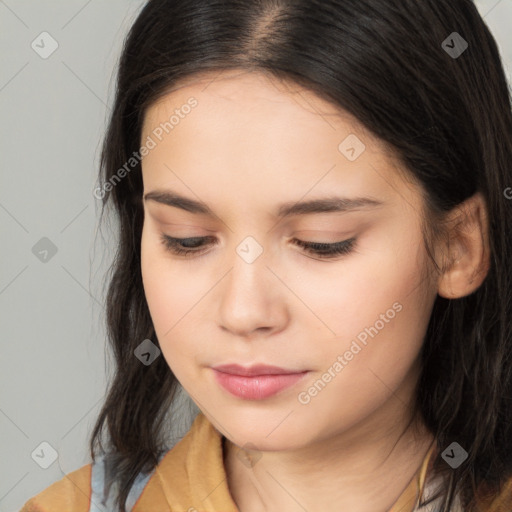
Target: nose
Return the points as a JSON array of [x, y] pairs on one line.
[[252, 299]]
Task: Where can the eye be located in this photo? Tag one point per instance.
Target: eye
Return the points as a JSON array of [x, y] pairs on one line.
[[327, 250], [183, 246], [187, 246]]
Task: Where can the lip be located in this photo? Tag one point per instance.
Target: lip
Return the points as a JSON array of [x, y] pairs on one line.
[[258, 382], [254, 370]]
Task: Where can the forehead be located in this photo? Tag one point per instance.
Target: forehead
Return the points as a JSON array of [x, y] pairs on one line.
[[249, 128], [250, 92]]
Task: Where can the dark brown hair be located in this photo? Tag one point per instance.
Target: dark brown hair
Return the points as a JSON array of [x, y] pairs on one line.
[[447, 117]]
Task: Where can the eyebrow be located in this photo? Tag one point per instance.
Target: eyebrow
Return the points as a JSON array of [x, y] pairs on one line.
[[324, 205]]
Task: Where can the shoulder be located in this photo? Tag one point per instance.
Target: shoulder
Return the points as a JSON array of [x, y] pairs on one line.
[[193, 467], [69, 494], [192, 470]]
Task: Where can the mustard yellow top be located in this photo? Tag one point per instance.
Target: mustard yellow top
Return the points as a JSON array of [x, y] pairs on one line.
[[191, 478]]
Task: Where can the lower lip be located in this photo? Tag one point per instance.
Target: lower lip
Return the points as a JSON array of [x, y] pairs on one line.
[[257, 387]]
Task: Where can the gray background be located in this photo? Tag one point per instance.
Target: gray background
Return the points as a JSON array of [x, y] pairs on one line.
[[53, 114]]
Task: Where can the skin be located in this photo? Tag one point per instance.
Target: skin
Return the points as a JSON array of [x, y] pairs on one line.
[[251, 144]]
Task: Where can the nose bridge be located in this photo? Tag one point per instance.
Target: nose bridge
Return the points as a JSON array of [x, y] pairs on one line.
[[250, 250], [248, 299], [248, 267]]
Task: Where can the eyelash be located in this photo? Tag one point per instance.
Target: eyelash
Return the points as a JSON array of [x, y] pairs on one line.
[[318, 249]]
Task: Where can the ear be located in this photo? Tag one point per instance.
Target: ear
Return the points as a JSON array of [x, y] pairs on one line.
[[466, 260]]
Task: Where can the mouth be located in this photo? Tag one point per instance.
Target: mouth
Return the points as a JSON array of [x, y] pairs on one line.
[[256, 382], [254, 370]]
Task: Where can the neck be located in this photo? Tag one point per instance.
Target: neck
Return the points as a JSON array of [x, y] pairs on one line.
[[365, 469]]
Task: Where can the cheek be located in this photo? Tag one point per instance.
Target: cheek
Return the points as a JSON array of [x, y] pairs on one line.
[[154, 278], [386, 268], [379, 311], [173, 298], [375, 308], [163, 286]]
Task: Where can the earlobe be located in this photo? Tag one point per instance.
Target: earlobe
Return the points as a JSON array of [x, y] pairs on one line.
[[468, 251]]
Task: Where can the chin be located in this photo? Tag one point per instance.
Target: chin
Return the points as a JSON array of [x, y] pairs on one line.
[[266, 431]]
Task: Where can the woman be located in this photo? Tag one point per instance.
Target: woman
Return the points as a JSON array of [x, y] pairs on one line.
[[315, 244]]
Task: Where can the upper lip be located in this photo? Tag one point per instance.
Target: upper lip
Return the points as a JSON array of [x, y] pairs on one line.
[[257, 369]]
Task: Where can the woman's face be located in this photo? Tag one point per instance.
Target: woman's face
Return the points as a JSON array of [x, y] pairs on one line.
[[247, 149]]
